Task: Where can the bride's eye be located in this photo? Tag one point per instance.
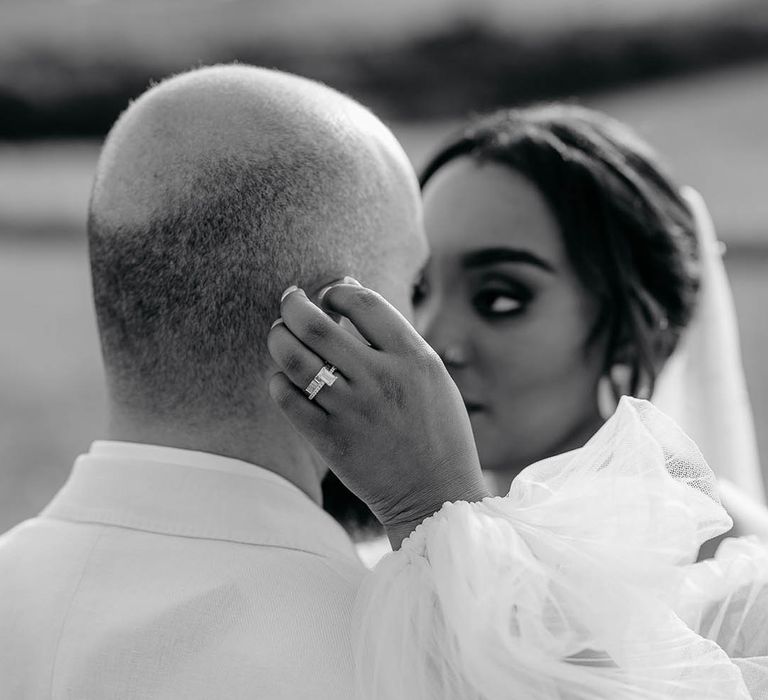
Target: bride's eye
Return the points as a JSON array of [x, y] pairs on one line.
[[495, 303], [420, 290], [503, 305]]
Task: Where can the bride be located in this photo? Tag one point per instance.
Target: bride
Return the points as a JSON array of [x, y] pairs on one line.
[[591, 276], [589, 268], [579, 583]]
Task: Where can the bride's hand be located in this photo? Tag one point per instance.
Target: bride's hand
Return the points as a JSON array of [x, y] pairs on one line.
[[392, 426]]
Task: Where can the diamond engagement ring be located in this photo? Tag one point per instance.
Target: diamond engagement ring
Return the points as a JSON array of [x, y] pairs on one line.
[[325, 377]]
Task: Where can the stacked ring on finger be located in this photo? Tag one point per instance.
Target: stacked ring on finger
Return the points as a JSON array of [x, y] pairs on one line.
[[325, 377]]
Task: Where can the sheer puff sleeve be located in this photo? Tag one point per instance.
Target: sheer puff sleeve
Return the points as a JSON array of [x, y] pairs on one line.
[[572, 586]]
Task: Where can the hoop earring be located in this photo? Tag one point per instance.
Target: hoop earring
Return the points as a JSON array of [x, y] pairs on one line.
[[611, 387]]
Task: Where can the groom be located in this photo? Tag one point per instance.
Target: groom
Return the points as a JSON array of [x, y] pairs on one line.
[[188, 556]]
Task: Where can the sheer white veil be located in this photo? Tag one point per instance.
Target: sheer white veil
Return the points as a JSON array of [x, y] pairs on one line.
[[702, 386]]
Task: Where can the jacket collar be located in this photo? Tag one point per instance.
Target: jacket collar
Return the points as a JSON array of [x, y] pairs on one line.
[[194, 494]]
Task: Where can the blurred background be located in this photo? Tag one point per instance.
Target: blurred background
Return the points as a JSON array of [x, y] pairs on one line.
[[690, 75]]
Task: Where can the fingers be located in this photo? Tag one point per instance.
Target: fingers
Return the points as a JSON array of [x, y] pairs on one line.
[[306, 416], [300, 365], [315, 329], [383, 326]]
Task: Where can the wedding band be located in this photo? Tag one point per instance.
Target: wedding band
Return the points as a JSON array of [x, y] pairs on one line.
[[325, 377]]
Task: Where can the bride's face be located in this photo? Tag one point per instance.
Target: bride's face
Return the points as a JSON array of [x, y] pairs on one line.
[[501, 302]]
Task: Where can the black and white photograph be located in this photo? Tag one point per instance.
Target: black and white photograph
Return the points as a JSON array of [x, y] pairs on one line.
[[384, 351]]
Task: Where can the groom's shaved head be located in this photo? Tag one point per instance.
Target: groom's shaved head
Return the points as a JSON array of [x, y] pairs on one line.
[[216, 190]]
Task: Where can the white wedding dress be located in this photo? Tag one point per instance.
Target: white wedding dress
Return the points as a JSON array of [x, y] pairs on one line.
[[579, 584]]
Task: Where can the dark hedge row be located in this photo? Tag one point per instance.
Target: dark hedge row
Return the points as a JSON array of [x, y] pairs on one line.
[[468, 66]]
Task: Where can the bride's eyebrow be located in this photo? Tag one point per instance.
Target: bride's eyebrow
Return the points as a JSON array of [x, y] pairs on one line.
[[491, 256]]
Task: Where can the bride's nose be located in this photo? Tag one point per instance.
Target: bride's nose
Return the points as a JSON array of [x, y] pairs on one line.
[[445, 339], [438, 326], [454, 356]]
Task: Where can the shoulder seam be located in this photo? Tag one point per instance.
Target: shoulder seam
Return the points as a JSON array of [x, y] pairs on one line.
[[69, 608]]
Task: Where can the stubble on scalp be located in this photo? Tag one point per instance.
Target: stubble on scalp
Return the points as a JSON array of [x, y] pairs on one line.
[[215, 191]]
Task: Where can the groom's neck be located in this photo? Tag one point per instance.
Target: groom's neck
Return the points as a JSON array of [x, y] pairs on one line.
[[267, 441]]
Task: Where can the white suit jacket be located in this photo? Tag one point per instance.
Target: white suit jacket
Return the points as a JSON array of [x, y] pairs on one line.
[[165, 573]]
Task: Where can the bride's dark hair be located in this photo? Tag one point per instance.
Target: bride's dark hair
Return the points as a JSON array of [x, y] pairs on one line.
[[627, 231]]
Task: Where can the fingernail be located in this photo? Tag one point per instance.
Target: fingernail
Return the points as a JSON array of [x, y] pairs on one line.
[[344, 280], [288, 291], [321, 294], [275, 323]]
